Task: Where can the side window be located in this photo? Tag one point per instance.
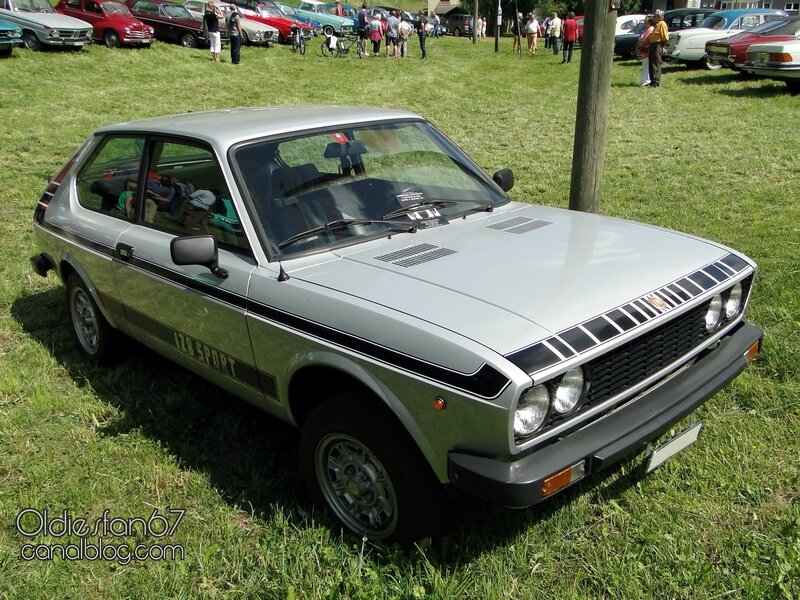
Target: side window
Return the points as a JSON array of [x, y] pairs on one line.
[[94, 7], [187, 195], [112, 171], [74, 3]]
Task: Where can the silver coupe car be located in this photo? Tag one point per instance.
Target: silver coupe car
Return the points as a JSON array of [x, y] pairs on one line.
[[352, 272]]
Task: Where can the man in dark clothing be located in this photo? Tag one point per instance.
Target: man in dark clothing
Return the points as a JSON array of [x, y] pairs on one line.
[[235, 34], [422, 32]]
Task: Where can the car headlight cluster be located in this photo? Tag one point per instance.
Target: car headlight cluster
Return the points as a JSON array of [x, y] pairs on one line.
[[560, 396], [724, 307]]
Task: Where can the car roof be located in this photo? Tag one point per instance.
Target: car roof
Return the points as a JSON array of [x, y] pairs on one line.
[[737, 12], [226, 127]]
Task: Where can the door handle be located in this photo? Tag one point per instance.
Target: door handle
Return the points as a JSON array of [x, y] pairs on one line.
[[124, 252]]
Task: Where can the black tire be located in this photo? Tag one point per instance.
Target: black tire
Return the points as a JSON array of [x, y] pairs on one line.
[[711, 66], [6, 52], [457, 32], [188, 40], [326, 51], [95, 338], [794, 86], [30, 41], [302, 45], [111, 39], [328, 30], [358, 461]]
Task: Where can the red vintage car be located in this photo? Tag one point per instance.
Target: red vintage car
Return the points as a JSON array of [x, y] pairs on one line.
[[112, 22], [730, 52], [265, 11]]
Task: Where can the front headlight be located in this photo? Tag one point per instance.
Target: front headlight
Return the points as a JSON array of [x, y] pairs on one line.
[[733, 301], [127, 31], [532, 409], [569, 391], [152, 31], [714, 313]]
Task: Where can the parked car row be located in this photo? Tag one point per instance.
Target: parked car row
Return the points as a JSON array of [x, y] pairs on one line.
[[676, 20], [10, 36]]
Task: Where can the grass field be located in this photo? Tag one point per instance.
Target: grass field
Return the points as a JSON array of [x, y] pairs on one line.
[[708, 153]]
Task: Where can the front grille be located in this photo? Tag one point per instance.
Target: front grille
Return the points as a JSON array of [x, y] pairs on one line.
[[6, 34], [632, 363], [139, 35]]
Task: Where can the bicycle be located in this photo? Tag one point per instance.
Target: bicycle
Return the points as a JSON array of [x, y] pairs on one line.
[[298, 40], [337, 47]]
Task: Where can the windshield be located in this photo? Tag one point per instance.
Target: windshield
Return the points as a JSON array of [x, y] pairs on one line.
[[376, 179], [115, 8], [176, 11], [268, 11], [35, 6], [714, 22]]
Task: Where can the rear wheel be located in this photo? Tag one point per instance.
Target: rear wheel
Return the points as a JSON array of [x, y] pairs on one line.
[[794, 87], [710, 64], [302, 44], [30, 41], [188, 40], [357, 460], [111, 39], [95, 338], [326, 50], [457, 32]]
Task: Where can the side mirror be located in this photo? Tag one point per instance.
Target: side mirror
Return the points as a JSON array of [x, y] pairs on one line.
[[197, 250], [504, 178]]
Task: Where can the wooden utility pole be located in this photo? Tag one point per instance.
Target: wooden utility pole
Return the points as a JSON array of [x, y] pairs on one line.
[[475, 27], [594, 90]]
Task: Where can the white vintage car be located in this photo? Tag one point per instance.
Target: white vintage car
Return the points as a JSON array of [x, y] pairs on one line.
[[352, 272], [42, 26], [253, 32], [689, 45], [776, 60]]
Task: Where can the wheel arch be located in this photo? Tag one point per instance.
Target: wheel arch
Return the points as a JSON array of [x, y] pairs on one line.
[[310, 384], [66, 267]]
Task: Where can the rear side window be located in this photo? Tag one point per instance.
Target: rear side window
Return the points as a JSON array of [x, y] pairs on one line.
[[102, 181]]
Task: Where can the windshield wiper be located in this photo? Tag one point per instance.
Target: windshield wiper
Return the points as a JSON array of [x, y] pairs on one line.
[[344, 224]]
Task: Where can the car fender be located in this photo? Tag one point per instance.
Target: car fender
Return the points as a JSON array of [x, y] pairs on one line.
[[74, 264], [370, 381]]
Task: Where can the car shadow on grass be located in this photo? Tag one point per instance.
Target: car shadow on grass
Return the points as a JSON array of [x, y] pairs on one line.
[[250, 457], [767, 90], [710, 77]]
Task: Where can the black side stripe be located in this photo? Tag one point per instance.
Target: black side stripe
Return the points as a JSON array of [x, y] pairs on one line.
[[487, 382]]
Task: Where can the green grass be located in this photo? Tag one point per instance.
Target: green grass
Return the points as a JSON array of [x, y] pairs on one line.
[[708, 153]]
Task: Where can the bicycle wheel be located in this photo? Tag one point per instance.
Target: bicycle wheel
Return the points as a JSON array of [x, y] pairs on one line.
[[360, 50], [326, 50], [302, 45]]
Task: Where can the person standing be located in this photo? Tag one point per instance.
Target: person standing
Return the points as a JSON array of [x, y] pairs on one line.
[[234, 23], [211, 18], [392, 32], [338, 9], [555, 32], [643, 46], [547, 23], [422, 32], [404, 31], [570, 33], [658, 43], [483, 27], [363, 29], [519, 28], [532, 33], [437, 23]]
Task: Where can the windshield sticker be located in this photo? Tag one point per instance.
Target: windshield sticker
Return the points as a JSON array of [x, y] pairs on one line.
[[410, 197], [427, 218]]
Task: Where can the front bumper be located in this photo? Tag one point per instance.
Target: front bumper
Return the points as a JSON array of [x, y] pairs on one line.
[[517, 481]]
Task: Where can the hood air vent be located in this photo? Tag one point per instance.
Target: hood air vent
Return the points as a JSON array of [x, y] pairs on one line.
[[518, 225], [415, 255]]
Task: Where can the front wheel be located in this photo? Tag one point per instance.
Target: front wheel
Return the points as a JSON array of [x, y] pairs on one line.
[[357, 460], [94, 336], [302, 44], [111, 39], [30, 41], [326, 49], [188, 40], [457, 32], [328, 30]]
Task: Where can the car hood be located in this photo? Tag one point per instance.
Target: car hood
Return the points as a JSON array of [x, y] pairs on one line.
[[54, 20], [506, 288]]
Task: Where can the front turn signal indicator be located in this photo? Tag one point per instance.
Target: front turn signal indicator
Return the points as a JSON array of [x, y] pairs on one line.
[[560, 480]]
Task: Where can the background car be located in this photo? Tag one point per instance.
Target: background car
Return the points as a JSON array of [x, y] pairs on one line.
[[457, 24], [331, 24], [686, 18], [776, 60], [172, 22], [266, 11], [732, 52], [253, 32], [625, 44], [291, 12], [689, 46], [627, 22], [10, 36], [112, 22], [405, 15], [41, 25]]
